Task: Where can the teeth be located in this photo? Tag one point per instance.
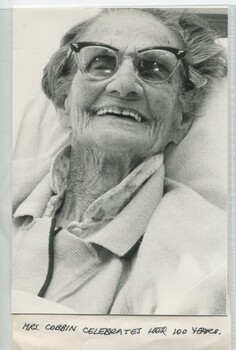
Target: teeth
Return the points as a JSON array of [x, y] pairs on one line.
[[101, 112], [116, 110]]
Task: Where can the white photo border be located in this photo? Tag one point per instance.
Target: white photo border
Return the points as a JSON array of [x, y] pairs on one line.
[[6, 26]]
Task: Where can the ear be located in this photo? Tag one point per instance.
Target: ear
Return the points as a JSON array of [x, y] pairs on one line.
[[181, 129], [64, 115]]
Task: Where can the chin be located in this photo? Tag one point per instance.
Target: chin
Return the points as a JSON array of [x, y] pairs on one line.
[[112, 140]]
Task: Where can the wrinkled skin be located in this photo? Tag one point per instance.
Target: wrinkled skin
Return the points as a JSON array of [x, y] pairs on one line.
[[119, 144]]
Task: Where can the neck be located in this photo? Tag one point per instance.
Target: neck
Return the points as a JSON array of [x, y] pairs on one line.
[[92, 172]]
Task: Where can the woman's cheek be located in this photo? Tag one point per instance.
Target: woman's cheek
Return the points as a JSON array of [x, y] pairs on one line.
[[85, 91], [163, 122]]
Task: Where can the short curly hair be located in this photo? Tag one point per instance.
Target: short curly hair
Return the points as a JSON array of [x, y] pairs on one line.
[[204, 62]]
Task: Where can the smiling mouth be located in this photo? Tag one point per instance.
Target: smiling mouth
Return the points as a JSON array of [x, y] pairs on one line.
[[120, 113]]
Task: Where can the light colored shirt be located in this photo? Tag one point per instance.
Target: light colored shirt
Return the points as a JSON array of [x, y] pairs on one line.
[[94, 257], [163, 253]]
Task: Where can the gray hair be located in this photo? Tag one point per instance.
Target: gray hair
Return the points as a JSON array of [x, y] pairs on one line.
[[205, 61]]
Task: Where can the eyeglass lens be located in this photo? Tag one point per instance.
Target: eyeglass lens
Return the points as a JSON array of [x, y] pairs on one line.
[[101, 63]]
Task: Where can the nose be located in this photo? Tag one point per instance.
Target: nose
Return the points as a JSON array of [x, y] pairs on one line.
[[124, 83]]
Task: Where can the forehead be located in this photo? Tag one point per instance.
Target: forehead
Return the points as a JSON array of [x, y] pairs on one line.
[[130, 29]]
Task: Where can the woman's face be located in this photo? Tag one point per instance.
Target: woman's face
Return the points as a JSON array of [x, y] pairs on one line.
[[157, 104]]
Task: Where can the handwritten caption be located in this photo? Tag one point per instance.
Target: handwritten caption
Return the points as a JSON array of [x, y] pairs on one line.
[[156, 330]]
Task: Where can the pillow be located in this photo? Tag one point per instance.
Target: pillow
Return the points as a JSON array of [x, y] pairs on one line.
[[199, 161]]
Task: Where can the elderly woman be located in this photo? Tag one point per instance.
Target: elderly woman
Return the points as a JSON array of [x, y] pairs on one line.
[[111, 234]]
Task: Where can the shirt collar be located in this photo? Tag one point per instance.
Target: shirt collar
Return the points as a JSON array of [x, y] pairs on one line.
[[122, 233], [126, 219], [130, 217], [34, 205]]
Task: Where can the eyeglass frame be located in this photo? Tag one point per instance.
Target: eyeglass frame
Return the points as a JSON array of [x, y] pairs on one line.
[[77, 46]]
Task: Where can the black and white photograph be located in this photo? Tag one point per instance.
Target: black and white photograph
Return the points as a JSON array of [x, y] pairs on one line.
[[120, 161]]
